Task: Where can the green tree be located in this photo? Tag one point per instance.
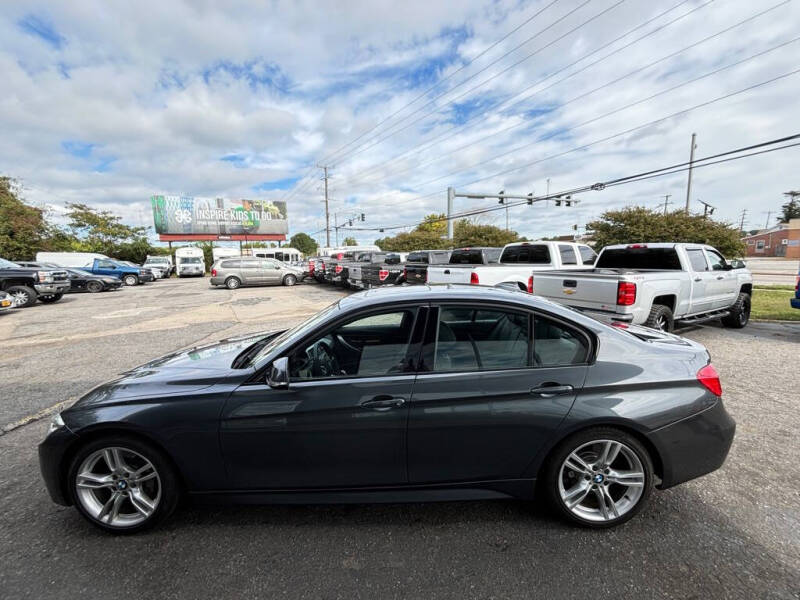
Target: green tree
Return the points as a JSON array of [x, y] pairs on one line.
[[304, 242], [431, 235], [472, 234], [349, 241], [101, 230], [791, 210], [638, 224]]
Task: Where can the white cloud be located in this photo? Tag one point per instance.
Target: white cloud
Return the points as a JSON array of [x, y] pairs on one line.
[[162, 91]]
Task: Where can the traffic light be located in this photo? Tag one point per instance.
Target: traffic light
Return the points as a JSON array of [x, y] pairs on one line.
[[500, 195], [362, 217], [558, 202], [530, 199]]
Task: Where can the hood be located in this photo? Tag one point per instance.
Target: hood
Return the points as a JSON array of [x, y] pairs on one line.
[[177, 373]]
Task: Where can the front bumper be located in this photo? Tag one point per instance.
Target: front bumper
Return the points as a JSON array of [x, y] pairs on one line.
[[52, 452], [48, 289], [694, 446]]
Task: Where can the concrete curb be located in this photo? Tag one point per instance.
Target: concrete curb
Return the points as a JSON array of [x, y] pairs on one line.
[[37, 416]]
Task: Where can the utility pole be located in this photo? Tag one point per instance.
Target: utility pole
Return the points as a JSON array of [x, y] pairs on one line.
[[689, 180], [741, 224], [769, 214], [547, 202], [327, 211], [666, 203], [336, 228], [707, 208], [451, 195]]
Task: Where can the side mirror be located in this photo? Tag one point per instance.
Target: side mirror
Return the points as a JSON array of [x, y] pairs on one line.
[[278, 373]]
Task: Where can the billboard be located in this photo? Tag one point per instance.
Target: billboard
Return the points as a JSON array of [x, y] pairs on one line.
[[194, 216]]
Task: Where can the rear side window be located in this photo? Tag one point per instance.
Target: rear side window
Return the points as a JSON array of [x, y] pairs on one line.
[[567, 255], [538, 254], [557, 345], [639, 258], [588, 256], [251, 264], [231, 264], [471, 339], [697, 259]]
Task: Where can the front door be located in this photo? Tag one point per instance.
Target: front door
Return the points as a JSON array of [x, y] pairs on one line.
[[725, 284], [494, 392], [271, 271], [252, 273], [342, 420]]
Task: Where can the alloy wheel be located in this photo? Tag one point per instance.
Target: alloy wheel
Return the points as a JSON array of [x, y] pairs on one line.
[[118, 487], [601, 480], [21, 297]]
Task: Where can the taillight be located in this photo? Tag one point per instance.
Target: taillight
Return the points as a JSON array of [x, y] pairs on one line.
[[626, 293], [426, 275], [337, 269], [619, 324], [709, 377], [473, 279], [405, 273], [383, 274], [213, 272], [530, 284]]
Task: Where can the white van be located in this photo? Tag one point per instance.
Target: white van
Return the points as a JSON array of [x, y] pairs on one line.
[[74, 260], [189, 262], [286, 255], [218, 252]]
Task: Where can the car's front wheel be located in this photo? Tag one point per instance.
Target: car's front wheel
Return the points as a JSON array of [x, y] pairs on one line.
[[130, 280], [22, 295], [739, 316], [599, 477], [94, 287], [122, 485], [289, 280]]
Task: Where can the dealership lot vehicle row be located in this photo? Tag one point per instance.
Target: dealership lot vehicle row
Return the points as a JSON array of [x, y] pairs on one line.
[[733, 533]]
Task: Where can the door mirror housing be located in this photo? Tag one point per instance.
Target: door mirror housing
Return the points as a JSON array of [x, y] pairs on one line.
[[278, 373]]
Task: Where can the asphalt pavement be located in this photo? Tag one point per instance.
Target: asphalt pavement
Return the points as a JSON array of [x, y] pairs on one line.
[[732, 534]]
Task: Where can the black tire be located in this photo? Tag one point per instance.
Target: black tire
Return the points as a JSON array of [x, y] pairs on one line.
[[170, 491], [130, 280], [232, 283], [740, 313], [50, 298], [289, 280], [23, 295], [552, 472], [94, 287], [660, 318]]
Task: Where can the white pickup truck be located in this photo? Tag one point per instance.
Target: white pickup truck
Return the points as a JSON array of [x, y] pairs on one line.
[[655, 285], [512, 266]]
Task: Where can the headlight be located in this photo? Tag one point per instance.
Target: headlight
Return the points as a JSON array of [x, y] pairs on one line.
[[44, 276], [55, 424]]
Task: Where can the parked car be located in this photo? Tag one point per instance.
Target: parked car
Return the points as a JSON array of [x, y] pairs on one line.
[[655, 285], [27, 285], [236, 272], [190, 262], [415, 269], [410, 394], [80, 280], [145, 275], [795, 302], [6, 302], [333, 265], [160, 265], [380, 274], [128, 273], [513, 267]]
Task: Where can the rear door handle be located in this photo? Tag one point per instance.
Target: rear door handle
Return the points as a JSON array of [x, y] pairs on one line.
[[720, 276], [383, 403], [698, 279], [548, 390]]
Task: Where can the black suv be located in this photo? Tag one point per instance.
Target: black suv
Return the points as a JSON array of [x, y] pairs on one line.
[[26, 286]]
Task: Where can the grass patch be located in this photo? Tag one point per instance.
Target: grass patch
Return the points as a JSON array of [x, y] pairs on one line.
[[772, 303]]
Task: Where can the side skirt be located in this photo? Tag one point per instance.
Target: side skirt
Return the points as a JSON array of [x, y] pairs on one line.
[[522, 489]]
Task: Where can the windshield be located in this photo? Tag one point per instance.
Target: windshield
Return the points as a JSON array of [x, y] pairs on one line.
[[7, 264], [190, 260], [298, 330]]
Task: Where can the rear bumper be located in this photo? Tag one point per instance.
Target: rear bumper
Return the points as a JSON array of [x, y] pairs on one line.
[[694, 446], [52, 451]]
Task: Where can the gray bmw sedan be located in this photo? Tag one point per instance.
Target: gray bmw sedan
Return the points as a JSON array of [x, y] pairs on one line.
[[403, 394]]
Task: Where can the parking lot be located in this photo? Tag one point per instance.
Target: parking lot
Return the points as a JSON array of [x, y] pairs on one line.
[[732, 534]]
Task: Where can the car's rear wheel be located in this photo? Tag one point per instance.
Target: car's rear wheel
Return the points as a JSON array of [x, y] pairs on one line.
[[94, 287], [22, 295], [740, 313], [289, 280], [122, 485], [599, 477], [232, 283], [660, 318], [130, 280]]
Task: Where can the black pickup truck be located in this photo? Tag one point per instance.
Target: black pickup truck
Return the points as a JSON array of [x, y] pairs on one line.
[[334, 266], [352, 272], [26, 286], [385, 273], [415, 270]]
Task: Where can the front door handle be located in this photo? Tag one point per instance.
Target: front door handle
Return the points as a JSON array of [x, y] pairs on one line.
[[698, 279], [383, 403], [720, 277], [548, 390]]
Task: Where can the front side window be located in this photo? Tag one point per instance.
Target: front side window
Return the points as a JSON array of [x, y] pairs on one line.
[[557, 345], [470, 339], [106, 264], [715, 260], [363, 347], [697, 260]]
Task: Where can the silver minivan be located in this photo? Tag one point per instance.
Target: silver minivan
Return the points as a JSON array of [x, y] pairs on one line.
[[247, 270]]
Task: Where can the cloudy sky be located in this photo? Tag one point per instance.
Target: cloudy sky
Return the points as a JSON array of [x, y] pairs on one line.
[[109, 103]]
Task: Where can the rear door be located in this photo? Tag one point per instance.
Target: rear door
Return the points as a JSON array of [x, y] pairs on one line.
[[252, 273], [494, 384]]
